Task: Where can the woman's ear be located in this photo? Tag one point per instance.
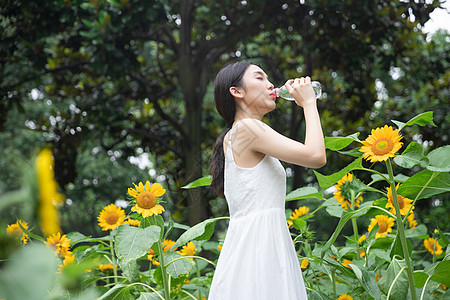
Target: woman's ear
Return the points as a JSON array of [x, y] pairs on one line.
[[236, 92]]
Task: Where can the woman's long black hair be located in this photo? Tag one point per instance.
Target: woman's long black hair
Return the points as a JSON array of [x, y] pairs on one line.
[[229, 76]]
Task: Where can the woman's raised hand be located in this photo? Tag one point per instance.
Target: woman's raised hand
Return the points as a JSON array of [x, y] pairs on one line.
[[302, 91]]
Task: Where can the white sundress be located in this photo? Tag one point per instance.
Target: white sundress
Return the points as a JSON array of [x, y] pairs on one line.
[[258, 260]]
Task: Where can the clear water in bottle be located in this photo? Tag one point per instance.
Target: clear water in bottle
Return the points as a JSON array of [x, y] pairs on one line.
[[283, 93]]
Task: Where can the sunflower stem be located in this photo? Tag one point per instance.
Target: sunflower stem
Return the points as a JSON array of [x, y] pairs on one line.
[[401, 231], [355, 227], [163, 266], [113, 258]]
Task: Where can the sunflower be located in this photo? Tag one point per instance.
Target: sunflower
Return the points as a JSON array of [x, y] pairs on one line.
[[385, 225], [17, 232], [188, 249], [343, 191], [345, 297], [146, 198], [49, 196], [433, 246], [381, 144], [301, 211], [412, 222], [362, 253], [305, 263], [110, 217], [133, 222], [403, 203], [290, 223], [61, 244]]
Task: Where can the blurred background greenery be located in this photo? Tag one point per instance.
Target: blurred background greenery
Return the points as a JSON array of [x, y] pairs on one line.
[[121, 90]]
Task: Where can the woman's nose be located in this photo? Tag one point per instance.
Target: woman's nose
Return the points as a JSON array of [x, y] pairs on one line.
[[271, 86]]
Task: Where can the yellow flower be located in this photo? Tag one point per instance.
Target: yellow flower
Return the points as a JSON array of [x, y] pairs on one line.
[[433, 246], [61, 244], [146, 198], [403, 203], [301, 211], [133, 222], [412, 222], [290, 223], [362, 239], [377, 277], [220, 247], [381, 144], [362, 253], [343, 192], [49, 196], [68, 260], [110, 217], [305, 263], [345, 297], [104, 267], [345, 262], [188, 249], [17, 232], [385, 225]]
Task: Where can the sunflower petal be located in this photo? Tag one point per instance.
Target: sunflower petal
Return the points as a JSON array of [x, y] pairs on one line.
[[157, 190], [147, 186], [133, 193]]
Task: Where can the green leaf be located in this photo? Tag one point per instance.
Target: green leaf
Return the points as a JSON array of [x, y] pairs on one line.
[[367, 280], [151, 296], [425, 184], [299, 224], [439, 159], [413, 155], [29, 274], [338, 143], [423, 119], [420, 278], [326, 181], [204, 181], [304, 193], [133, 242], [441, 272], [178, 267], [346, 216], [398, 178], [118, 292], [397, 249], [34, 236], [400, 285], [201, 231], [130, 269], [420, 232]]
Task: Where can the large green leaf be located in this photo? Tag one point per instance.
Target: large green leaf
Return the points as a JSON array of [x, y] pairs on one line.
[[413, 155], [304, 193], [177, 264], [420, 278], [199, 232], [204, 181], [326, 181], [338, 143], [367, 280], [130, 269], [425, 184], [439, 159], [392, 280], [29, 274], [133, 242], [441, 273], [423, 119]]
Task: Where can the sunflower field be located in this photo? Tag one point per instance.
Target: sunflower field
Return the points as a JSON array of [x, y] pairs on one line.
[[140, 257]]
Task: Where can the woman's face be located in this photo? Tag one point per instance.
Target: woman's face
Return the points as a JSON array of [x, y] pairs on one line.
[[256, 90]]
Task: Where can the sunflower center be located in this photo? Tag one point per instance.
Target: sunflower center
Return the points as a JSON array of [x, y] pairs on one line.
[[382, 226], [146, 200], [111, 218], [401, 203], [382, 146]]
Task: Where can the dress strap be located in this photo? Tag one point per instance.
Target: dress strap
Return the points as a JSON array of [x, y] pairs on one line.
[[232, 129]]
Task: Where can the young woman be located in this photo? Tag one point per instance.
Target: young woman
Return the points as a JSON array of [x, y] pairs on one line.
[[258, 260]]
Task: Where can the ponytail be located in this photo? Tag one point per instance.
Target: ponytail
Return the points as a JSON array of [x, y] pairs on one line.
[[218, 166]]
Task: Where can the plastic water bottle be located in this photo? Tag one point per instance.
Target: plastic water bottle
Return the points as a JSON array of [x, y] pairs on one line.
[[283, 93]]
